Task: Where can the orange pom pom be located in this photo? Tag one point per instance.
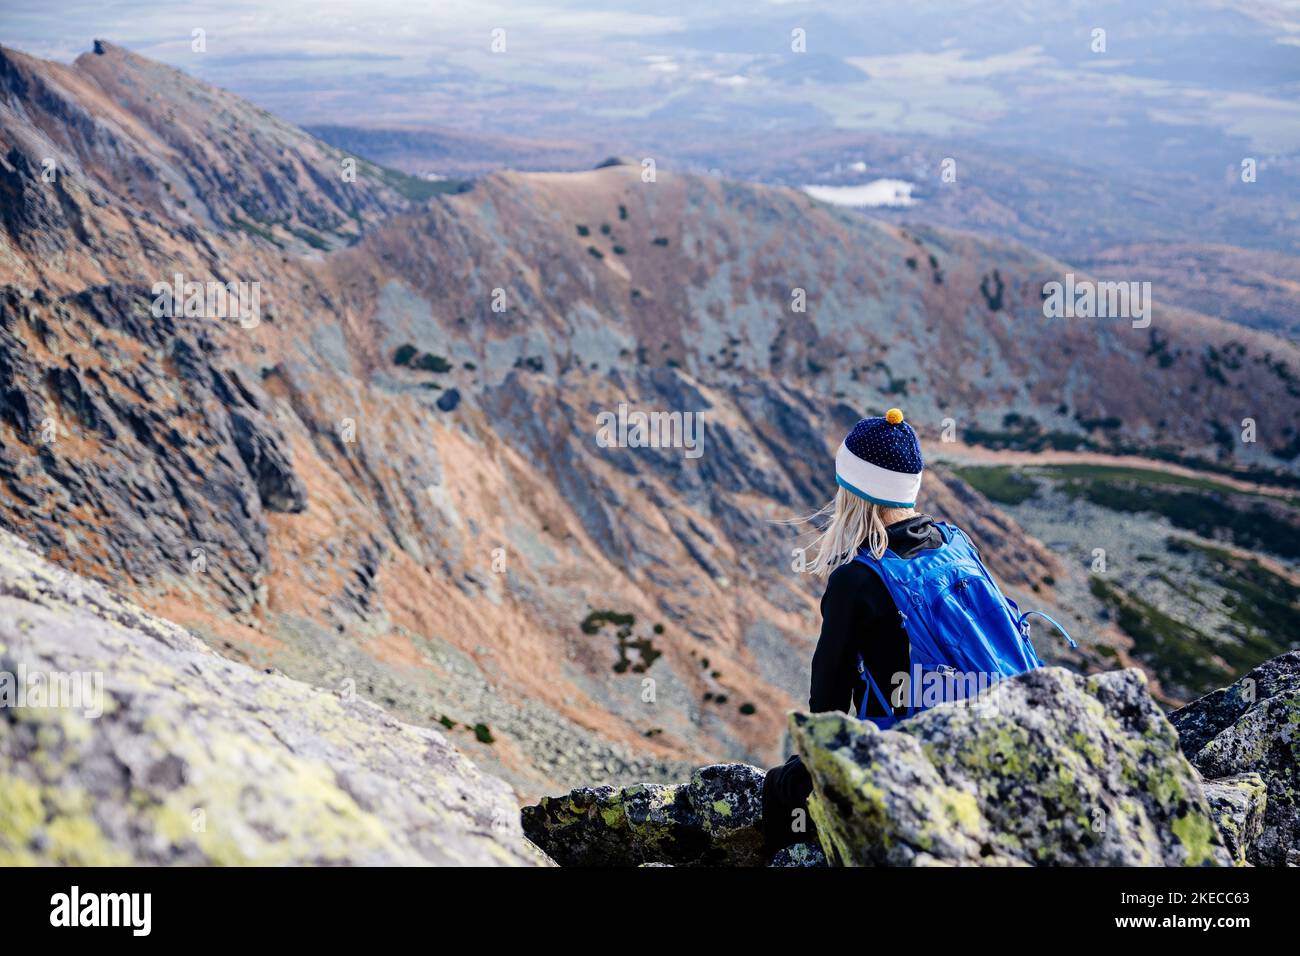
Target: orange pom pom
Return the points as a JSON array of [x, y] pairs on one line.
[[894, 416]]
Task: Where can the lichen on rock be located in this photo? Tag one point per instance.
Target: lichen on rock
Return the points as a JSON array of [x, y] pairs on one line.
[[1050, 769], [714, 820], [186, 757], [1238, 804], [1253, 726]]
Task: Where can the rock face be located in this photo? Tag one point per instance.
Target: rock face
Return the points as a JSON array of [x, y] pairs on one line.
[[162, 752], [1049, 769], [1253, 726], [1238, 805], [715, 820], [1053, 769]]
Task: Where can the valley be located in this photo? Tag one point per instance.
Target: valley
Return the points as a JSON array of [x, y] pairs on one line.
[[392, 483], [1202, 577]]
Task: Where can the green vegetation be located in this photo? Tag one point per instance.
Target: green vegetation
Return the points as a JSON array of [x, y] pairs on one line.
[[660, 240], [1000, 483], [1024, 434], [447, 722], [1246, 522], [483, 734], [645, 649], [1264, 609], [1133, 473], [411, 357], [644, 646], [1265, 476], [1211, 509], [429, 362], [413, 188], [748, 709], [1176, 651], [593, 251], [583, 231], [992, 291], [312, 239], [245, 226], [1264, 606], [593, 622]]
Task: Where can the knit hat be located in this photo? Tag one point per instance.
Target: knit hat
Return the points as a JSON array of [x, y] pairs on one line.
[[880, 461]]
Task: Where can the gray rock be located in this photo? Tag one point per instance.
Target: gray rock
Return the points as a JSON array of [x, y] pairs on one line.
[[1254, 726], [1238, 804], [715, 820], [1051, 769], [278, 485], [173, 754], [800, 855]]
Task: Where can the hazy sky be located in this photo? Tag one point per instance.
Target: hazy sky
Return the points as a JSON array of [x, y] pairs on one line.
[[922, 66]]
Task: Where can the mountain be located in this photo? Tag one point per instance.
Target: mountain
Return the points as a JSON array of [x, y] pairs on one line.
[[133, 743], [1254, 288], [387, 470], [128, 741]]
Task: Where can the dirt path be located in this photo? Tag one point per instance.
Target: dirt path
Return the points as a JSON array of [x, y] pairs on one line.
[[962, 454]]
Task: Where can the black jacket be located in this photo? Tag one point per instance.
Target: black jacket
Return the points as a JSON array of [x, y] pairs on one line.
[[859, 617]]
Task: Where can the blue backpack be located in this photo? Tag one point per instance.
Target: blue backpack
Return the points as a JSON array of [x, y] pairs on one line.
[[965, 634]]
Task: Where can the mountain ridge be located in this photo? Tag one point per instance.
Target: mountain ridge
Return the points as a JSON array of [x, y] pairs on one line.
[[442, 529]]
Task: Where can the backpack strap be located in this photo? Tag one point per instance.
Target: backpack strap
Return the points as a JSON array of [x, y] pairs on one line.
[[889, 717], [1024, 625]]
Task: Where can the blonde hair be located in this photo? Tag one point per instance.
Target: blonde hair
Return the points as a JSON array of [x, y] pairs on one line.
[[853, 523]]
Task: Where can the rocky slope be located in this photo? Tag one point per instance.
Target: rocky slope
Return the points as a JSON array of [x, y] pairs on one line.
[[1050, 769], [160, 751], [392, 480], [1047, 769], [1248, 735], [714, 820]]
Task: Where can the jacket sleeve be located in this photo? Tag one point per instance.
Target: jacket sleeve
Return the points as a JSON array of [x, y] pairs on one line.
[[835, 661], [857, 613]]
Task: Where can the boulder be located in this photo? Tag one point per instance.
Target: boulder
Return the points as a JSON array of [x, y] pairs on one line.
[[278, 484], [125, 740], [714, 820], [799, 855], [1238, 805], [1049, 768], [1253, 726]]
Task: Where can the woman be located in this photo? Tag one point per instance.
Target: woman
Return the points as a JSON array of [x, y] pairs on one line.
[[878, 469]]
